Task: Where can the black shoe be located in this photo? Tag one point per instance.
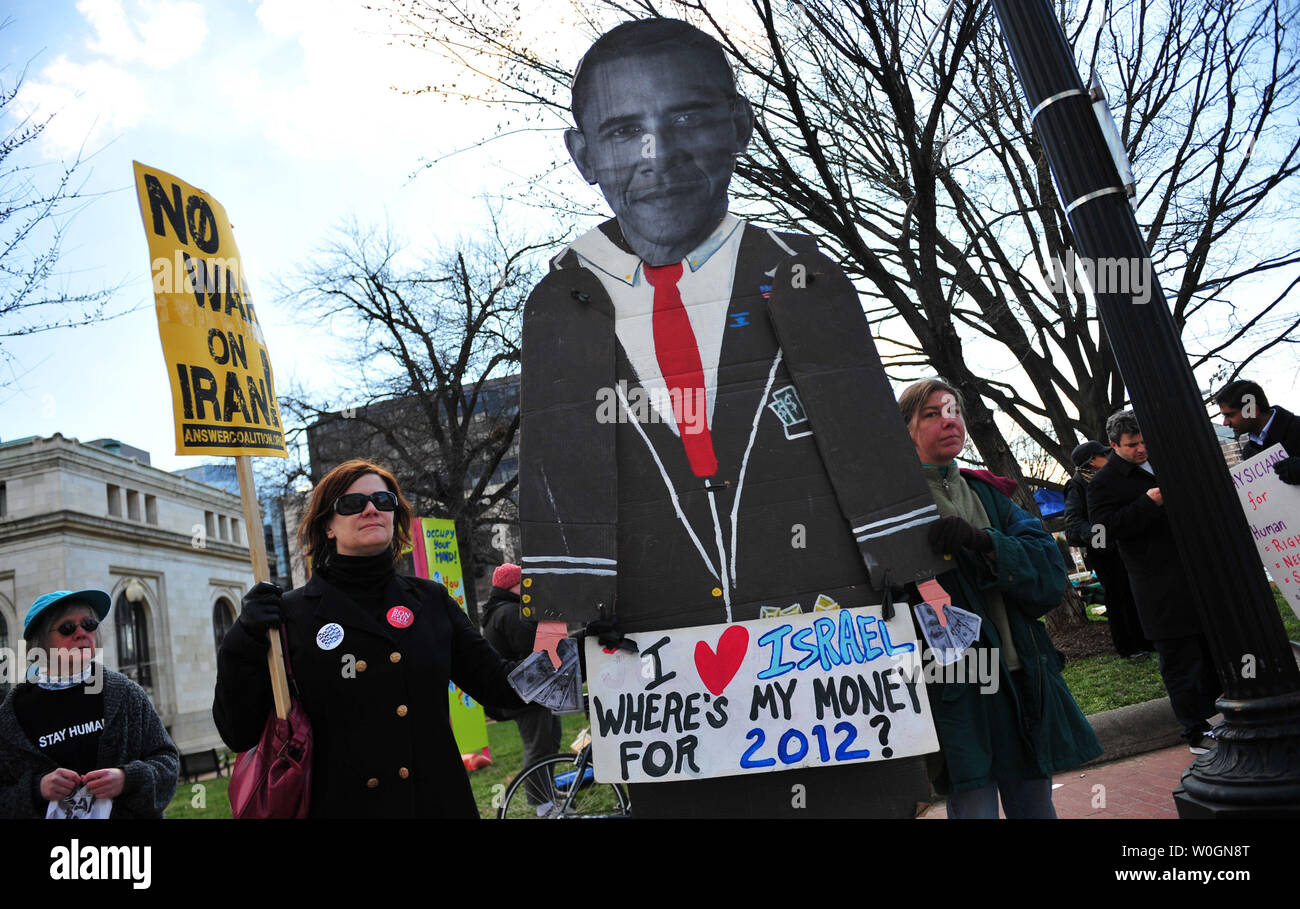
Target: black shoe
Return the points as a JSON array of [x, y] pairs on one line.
[[1202, 744]]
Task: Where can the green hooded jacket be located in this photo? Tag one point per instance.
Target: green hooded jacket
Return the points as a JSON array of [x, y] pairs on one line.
[[1027, 730]]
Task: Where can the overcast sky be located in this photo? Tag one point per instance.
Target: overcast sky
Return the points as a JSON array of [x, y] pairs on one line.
[[286, 112]]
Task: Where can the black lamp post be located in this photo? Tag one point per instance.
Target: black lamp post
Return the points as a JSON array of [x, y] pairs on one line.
[[1255, 770]]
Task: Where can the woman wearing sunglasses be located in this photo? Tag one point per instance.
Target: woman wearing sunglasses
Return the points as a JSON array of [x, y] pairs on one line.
[[371, 654], [78, 740]]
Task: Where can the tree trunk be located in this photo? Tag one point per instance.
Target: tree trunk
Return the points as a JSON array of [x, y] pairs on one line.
[[1071, 614]]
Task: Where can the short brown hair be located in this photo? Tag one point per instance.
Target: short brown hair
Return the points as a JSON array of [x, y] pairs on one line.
[[915, 395], [311, 532], [1235, 395]]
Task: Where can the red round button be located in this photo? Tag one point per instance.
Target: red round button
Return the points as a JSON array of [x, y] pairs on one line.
[[400, 617]]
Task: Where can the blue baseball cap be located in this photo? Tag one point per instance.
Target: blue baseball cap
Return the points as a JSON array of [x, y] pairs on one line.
[[97, 600]]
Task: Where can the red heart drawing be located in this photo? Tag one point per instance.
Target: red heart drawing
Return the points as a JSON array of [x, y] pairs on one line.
[[718, 669]]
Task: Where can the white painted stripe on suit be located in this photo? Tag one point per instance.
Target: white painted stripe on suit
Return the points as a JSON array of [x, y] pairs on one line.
[[677, 505], [744, 462], [592, 561], [779, 242], [885, 533], [896, 518], [604, 571], [722, 557], [555, 509]]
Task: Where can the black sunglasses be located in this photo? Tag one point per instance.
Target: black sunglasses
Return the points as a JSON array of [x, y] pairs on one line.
[[67, 629], [355, 502]]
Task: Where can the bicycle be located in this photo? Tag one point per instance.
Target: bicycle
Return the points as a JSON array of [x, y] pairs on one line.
[[564, 786]]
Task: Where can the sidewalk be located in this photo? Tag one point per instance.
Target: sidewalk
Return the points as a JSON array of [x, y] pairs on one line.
[[1133, 787]]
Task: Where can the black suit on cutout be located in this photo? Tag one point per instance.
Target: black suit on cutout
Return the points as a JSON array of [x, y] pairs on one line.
[[601, 527], [791, 540]]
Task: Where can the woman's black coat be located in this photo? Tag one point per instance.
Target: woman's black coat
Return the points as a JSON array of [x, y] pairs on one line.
[[378, 699]]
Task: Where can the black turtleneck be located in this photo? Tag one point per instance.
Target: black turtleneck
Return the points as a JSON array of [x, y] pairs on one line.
[[363, 578]]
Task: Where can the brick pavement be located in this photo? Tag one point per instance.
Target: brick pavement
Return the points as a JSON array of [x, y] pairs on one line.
[[1135, 787]]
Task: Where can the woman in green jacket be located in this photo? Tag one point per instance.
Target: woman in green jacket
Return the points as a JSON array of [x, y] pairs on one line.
[[1008, 571]]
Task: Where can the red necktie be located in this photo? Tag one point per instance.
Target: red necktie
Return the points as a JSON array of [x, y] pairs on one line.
[[679, 362]]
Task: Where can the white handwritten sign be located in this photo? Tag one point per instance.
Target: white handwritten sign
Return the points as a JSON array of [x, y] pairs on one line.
[[811, 690], [1273, 511]]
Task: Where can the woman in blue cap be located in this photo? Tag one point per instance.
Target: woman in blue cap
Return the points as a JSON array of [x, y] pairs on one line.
[[77, 739]]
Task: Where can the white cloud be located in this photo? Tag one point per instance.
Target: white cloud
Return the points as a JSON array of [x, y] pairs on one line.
[[157, 33], [88, 103], [332, 95]]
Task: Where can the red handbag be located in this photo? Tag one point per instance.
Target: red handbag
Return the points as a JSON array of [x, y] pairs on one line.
[[273, 779]]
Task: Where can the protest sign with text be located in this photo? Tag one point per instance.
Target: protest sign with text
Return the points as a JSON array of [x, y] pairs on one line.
[[1273, 512], [808, 690], [223, 392], [436, 556]]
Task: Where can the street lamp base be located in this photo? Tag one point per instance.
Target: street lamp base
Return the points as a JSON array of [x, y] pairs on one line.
[[1254, 771]]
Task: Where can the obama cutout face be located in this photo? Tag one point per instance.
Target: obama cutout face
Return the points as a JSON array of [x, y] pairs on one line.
[[659, 129]]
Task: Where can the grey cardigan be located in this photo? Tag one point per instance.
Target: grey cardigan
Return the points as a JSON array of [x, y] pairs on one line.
[[133, 739]]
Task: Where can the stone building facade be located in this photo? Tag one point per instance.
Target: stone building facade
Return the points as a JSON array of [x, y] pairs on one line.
[[171, 552]]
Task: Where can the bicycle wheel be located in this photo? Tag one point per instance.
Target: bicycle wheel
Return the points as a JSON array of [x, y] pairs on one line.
[[551, 788]]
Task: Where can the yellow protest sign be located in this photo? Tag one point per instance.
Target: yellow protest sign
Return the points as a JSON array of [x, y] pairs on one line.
[[223, 392]]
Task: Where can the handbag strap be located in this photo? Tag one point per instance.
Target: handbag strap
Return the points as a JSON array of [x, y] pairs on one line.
[[288, 664]]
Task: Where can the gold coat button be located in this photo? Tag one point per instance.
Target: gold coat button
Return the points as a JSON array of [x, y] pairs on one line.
[[403, 772], [401, 710], [372, 783], [528, 582], [394, 657], [527, 598], [361, 665], [717, 591], [527, 611]]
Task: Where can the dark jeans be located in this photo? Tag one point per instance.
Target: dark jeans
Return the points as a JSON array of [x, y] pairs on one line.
[[540, 730], [1188, 672], [1020, 799], [1121, 610]]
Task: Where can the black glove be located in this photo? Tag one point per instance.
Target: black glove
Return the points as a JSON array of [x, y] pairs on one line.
[[1288, 471], [261, 609], [607, 632], [949, 534]]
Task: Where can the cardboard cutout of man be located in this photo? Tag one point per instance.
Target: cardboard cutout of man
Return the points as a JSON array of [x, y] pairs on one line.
[[707, 429]]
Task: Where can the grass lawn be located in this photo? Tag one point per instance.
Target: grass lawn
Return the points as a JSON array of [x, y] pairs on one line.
[[208, 799], [1104, 682], [204, 799]]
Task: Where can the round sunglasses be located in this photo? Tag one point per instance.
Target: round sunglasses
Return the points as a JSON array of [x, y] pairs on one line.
[[69, 628], [355, 502]]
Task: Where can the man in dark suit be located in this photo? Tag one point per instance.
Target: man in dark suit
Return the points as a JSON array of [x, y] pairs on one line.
[[1121, 611], [1246, 411], [1125, 502], [669, 466]]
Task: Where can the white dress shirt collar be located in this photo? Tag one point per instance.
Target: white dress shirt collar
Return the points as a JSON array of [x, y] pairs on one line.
[[1263, 433], [600, 253]]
